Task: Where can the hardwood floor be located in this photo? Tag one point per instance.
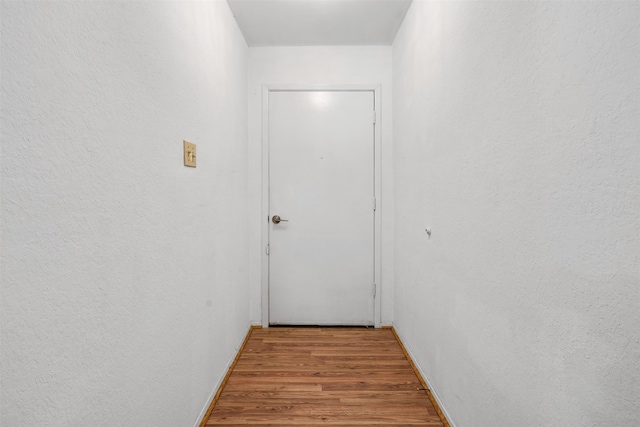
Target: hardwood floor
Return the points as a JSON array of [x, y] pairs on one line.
[[323, 376]]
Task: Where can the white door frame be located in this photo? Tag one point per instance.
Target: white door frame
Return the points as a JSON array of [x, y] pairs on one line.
[[266, 89]]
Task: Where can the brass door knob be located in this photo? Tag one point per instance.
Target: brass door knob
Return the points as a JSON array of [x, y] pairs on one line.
[[276, 219]]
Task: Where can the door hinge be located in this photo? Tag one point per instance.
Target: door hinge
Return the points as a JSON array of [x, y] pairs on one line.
[[266, 250], [374, 203], [373, 289], [374, 117]]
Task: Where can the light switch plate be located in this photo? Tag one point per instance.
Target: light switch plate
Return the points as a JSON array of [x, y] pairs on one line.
[[189, 154]]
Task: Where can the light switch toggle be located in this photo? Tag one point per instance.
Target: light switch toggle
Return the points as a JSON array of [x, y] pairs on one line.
[[189, 154]]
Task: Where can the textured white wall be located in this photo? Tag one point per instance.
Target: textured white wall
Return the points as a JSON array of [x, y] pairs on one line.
[[124, 274], [325, 65], [517, 139]]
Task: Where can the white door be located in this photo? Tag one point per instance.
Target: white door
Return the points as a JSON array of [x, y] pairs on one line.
[[321, 184]]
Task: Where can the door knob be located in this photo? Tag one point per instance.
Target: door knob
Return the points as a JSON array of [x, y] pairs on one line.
[[276, 219]]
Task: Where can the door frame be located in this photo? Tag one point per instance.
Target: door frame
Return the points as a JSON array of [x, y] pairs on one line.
[[265, 211]]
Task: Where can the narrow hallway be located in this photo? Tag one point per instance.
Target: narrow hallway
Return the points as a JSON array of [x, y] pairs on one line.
[[497, 224]]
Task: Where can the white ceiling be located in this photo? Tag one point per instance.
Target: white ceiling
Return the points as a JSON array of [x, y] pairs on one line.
[[319, 22]]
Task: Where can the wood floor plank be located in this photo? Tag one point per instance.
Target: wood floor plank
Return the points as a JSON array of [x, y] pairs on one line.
[[323, 376]]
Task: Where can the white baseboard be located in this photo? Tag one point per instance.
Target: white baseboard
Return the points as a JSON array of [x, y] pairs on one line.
[[425, 377], [220, 379]]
